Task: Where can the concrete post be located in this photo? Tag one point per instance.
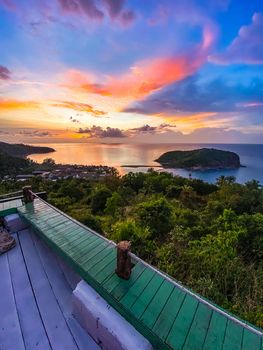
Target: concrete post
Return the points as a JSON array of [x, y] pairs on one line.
[[28, 195], [123, 269]]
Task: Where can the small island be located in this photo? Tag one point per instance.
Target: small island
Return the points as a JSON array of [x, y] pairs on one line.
[[200, 159]]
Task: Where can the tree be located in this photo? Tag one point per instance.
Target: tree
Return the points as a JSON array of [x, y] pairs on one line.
[[128, 230], [86, 218], [156, 214], [134, 181], [99, 198], [48, 164], [113, 204]]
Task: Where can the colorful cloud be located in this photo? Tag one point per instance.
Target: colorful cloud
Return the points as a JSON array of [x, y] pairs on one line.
[[132, 65], [144, 77]]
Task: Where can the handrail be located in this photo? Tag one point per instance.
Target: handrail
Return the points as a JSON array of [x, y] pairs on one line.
[[73, 220], [11, 193], [8, 199], [214, 307]]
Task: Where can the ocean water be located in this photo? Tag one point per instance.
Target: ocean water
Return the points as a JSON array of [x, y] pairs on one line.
[[117, 155]]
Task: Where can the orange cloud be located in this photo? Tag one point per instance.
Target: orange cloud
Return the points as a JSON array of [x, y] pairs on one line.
[[12, 104], [82, 107], [146, 76], [189, 122]]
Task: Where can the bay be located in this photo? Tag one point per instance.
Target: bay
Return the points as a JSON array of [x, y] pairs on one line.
[[116, 155]]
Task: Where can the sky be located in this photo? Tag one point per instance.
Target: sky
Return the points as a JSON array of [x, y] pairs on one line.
[[131, 71]]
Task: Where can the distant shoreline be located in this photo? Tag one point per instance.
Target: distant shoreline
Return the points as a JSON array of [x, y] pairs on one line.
[[141, 166]]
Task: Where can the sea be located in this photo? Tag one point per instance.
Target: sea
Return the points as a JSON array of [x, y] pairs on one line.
[[139, 157]]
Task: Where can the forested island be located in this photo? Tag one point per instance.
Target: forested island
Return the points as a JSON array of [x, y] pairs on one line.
[[200, 159], [208, 236], [20, 150]]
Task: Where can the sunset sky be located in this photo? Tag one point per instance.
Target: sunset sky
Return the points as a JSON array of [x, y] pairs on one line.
[[131, 71]]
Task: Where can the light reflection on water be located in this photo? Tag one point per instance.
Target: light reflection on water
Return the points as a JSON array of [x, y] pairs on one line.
[[144, 154]]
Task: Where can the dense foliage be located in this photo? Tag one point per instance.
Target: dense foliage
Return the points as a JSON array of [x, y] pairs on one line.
[[10, 165], [208, 236]]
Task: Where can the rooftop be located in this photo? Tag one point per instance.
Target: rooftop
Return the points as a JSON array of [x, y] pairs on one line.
[[35, 303], [169, 315]]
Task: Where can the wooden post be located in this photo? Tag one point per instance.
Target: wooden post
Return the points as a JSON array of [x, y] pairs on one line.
[[28, 195], [123, 269]]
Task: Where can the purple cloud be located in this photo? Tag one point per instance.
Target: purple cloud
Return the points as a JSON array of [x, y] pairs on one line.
[[147, 129], [114, 7], [194, 96], [247, 46], [98, 9], [127, 17], [5, 73], [8, 4], [87, 7], [99, 132]]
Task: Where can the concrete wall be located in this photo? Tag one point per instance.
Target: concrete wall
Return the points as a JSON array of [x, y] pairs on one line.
[[106, 326]]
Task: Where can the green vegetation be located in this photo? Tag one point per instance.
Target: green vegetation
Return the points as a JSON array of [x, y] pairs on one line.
[[208, 236], [204, 158], [10, 165], [13, 161]]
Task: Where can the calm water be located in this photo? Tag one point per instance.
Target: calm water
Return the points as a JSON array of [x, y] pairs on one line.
[[126, 154]]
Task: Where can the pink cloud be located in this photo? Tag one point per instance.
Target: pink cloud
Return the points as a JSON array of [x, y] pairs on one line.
[[247, 46]]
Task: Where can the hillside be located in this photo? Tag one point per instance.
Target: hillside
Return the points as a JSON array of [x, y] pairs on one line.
[[205, 158], [21, 150]]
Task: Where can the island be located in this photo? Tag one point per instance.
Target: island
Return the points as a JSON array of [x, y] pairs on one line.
[[200, 159], [21, 150]]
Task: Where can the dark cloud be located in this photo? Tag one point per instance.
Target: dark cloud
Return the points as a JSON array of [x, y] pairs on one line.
[[5, 73], [193, 96], [74, 120], [99, 132], [247, 46], [166, 134]]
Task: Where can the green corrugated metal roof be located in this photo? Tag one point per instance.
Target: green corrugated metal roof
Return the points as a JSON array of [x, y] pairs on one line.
[[169, 315]]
